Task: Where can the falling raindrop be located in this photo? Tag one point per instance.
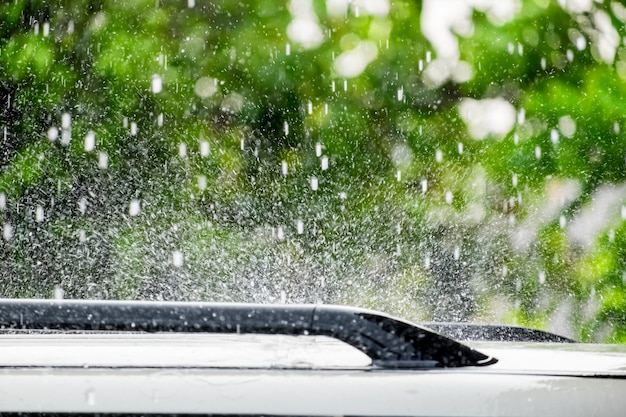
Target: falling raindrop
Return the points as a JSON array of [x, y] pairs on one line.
[[3, 201], [310, 108], [399, 175], [133, 128], [460, 148], [542, 277], [318, 149], [103, 160], [191, 4], [562, 221], [554, 136], [622, 211], [345, 85], [182, 150], [438, 155], [280, 233], [82, 205], [332, 86], [616, 128], [538, 152], [314, 183], [59, 293], [53, 133], [202, 182], [7, 231], [400, 93], [286, 128], [157, 84], [39, 215], [177, 258], [284, 168], [66, 121], [457, 253], [514, 180], [424, 184], [288, 49], [543, 63], [134, 208], [448, 197], [160, 120], [90, 141], [427, 262], [324, 162], [300, 227], [204, 148]]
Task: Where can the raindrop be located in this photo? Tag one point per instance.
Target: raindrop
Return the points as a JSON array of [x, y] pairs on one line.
[[90, 141], [191, 4], [438, 155], [82, 205], [420, 65], [543, 63], [400, 93], [428, 56], [520, 49], [457, 253], [134, 208], [204, 148], [53, 133], [399, 175], [125, 122], [300, 227], [280, 233], [318, 149], [448, 197], [515, 138], [160, 120], [345, 85], [511, 48], [310, 107], [66, 121], [157, 84], [616, 128], [3, 201], [424, 184], [288, 49], [324, 163], [554, 136], [133, 129], [514, 180], [623, 210], [177, 258], [82, 236], [427, 262], [521, 116], [202, 183], [570, 55], [343, 195], [103, 160], [505, 270], [332, 86], [581, 43], [283, 297], [7, 231], [314, 183], [542, 277], [182, 150], [325, 108], [286, 128], [39, 215], [562, 221], [242, 144], [538, 152], [518, 285], [611, 235], [284, 168], [46, 29], [460, 148], [59, 294], [90, 397]]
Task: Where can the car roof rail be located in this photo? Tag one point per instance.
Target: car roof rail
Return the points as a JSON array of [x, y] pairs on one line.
[[495, 333], [388, 341]]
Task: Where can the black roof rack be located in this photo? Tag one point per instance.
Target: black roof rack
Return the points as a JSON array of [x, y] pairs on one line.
[[388, 341]]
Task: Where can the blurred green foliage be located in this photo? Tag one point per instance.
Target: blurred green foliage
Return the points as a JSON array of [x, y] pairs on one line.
[[169, 149]]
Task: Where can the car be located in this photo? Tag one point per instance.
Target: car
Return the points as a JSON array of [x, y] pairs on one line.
[[63, 357]]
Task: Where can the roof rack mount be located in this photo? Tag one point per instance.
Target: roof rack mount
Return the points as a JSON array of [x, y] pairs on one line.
[[388, 341]]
